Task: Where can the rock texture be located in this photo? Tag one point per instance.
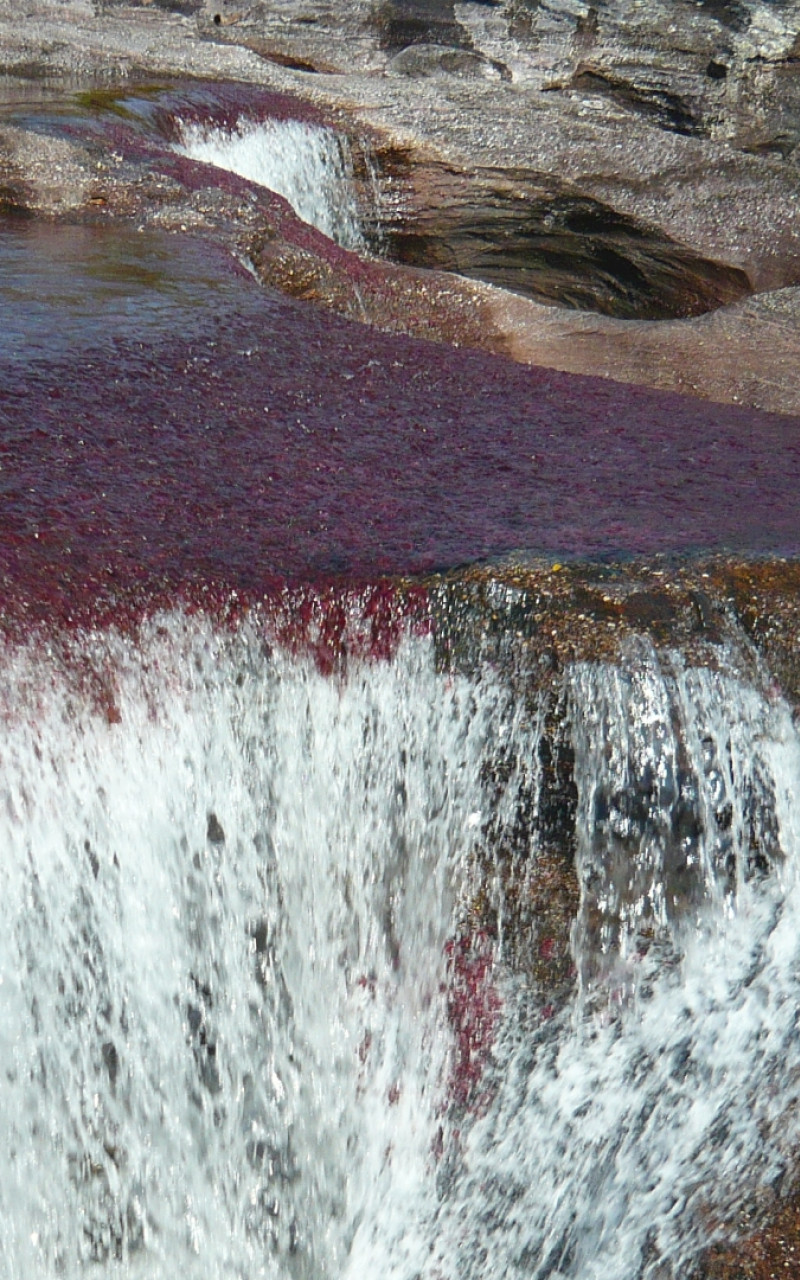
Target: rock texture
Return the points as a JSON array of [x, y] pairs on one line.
[[643, 160]]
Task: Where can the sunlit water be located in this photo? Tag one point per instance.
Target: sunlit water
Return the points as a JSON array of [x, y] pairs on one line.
[[229, 890], [307, 164]]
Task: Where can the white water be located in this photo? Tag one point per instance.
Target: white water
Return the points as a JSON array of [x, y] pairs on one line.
[[308, 165], [224, 1049], [629, 1128]]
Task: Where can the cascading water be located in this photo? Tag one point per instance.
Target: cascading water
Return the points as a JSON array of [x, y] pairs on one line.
[[400, 959], [628, 1126], [255, 1023], [226, 906], [307, 164]]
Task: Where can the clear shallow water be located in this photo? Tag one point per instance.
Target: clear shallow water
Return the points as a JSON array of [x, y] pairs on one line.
[[65, 288], [168, 425], [233, 1030], [265, 1007]]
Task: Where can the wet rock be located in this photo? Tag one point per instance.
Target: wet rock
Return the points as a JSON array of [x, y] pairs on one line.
[[741, 353], [214, 831], [765, 598], [642, 163], [201, 1036], [652, 811], [767, 1252], [720, 195], [706, 619], [111, 1061], [304, 275], [535, 236], [94, 861]]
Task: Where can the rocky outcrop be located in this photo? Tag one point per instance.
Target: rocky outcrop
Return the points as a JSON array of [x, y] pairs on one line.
[[636, 161], [542, 238]]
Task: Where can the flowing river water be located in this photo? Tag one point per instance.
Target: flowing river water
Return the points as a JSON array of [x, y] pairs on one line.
[[263, 1007]]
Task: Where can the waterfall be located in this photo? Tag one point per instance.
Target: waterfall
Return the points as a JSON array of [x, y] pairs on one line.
[[626, 1129], [307, 164], [273, 1004]]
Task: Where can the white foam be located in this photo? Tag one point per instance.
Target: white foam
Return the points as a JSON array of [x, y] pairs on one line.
[[623, 1131], [308, 949], [229, 1057], [310, 166]]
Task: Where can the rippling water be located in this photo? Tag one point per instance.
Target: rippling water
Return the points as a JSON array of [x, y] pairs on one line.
[[167, 423]]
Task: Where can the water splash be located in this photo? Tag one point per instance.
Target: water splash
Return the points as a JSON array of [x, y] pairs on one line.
[[310, 166], [626, 1129], [228, 883], [233, 1013], [678, 807]]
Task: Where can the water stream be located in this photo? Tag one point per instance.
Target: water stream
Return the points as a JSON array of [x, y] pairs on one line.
[[276, 996], [308, 164], [231, 887]]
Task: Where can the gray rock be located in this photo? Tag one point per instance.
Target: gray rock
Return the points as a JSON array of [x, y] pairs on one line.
[[418, 60]]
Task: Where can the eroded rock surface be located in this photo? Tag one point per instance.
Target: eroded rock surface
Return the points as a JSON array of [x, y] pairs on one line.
[[675, 127]]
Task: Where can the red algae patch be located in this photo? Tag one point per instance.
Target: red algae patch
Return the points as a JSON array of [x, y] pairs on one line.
[[473, 1009], [172, 425]]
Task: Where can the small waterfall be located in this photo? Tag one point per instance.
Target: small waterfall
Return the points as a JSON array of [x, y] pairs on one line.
[[310, 166], [228, 885], [275, 998], [627, 1126]]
